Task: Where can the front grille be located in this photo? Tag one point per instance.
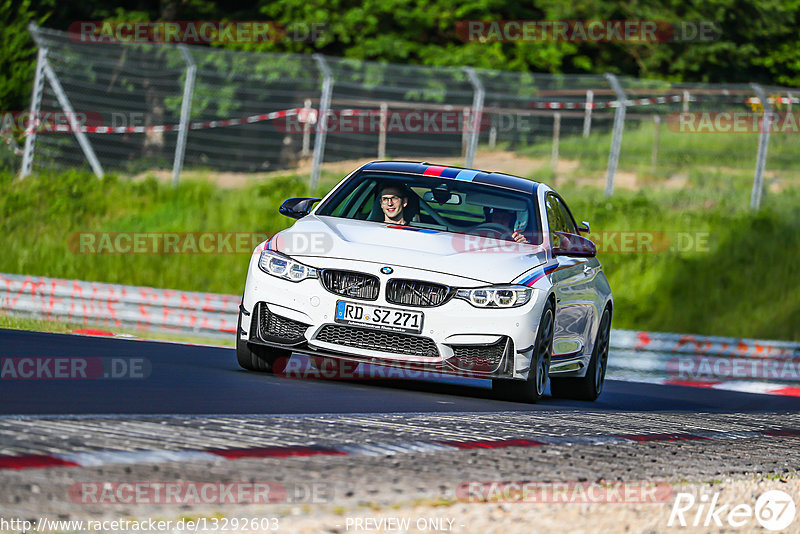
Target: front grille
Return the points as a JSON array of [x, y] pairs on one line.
[[478, 358], [367, 338], [279, 329], [351, 284], [417, 293]]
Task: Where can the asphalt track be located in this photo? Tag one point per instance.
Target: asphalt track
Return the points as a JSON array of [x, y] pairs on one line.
[[189, 379]]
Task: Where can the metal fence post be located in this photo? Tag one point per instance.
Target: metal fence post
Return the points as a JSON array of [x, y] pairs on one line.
[[686, 98], [306, 128], [763, 145], [477, 112], [321, 131], [186, 110], [36, 101], [464, 132], [656, 132], [616, 138], [587, 113], [382, 133], [556, 136], [63, 100]]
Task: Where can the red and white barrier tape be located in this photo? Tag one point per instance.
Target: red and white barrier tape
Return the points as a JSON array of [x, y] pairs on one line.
[[655, 100], [63, 128], [308, 114]]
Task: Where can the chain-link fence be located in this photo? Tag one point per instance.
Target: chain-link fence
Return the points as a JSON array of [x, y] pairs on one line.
[[132, 108]]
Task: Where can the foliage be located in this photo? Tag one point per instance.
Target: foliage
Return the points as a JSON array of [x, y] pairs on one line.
[[757, 41], [17, 53]]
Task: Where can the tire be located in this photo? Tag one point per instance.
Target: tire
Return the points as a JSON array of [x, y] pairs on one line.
[[590, 386], [255, 357], [532, 389]]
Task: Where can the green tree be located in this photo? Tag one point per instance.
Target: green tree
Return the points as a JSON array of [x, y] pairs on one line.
[[17, 52]]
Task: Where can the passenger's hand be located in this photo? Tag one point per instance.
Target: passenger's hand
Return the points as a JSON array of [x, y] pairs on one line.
[[518, 237]]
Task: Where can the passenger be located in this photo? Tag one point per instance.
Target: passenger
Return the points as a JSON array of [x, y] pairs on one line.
[[393, 202]]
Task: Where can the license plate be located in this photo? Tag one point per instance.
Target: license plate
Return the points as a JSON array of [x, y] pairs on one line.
[[379, 317]]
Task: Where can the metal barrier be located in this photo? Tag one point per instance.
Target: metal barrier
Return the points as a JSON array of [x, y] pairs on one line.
[[215, 314], [114, 305]]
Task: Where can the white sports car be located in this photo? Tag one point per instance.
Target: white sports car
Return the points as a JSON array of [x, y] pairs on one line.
[[434, 268]]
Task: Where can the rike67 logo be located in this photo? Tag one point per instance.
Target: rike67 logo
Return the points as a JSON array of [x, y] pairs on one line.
[[774, 510]]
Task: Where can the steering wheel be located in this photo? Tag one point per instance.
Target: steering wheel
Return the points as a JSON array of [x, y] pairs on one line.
[[492, 227]]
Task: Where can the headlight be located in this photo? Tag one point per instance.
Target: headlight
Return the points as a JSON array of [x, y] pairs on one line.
[[284, 267], [510, 296]]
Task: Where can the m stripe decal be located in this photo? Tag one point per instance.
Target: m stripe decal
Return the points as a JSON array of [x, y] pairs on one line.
[[467, 175], [433, 170]]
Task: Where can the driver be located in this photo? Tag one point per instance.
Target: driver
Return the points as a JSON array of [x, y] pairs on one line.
[[393, 201], [507, 218]]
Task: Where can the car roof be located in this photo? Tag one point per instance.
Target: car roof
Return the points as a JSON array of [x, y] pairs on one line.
[[498, 179]]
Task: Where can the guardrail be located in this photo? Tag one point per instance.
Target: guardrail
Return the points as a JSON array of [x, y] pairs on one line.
[[116, 305], [215, 314]]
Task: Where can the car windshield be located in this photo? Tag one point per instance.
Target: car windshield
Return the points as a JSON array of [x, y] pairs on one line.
[[437, 204]]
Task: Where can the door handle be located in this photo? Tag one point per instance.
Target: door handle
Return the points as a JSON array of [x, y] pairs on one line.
[[587, 269]]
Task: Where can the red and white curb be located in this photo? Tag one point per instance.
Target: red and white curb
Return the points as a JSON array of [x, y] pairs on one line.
[[102, 458]]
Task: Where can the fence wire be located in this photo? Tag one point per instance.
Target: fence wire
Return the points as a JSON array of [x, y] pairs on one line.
[[255, 112]]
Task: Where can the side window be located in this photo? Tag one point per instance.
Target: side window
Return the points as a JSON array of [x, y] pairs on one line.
[[568, 220], [358, 203], [555, 215]]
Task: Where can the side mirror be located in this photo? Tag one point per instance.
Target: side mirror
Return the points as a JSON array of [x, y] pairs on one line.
[[565, 244], [297, 207], [584, 227]]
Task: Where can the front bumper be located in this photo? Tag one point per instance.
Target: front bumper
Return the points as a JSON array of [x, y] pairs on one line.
[[457, 338]]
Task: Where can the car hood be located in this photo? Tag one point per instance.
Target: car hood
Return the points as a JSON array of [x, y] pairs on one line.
[[479, 258]]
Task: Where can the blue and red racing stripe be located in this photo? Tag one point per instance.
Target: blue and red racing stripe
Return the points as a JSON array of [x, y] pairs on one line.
[[536, 275], [411, 228]]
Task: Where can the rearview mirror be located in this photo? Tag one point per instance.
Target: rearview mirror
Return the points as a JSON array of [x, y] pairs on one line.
[[565, 244], [297, 207], [439, 198]]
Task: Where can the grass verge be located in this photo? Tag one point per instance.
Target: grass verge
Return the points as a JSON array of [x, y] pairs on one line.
[[744, 283]]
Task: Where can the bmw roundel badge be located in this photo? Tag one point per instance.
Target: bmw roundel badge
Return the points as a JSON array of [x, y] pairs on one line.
[[387, 270]]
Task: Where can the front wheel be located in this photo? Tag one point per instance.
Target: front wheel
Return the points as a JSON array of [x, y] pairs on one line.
[[255, 357], [532, 389], [590, 386]]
